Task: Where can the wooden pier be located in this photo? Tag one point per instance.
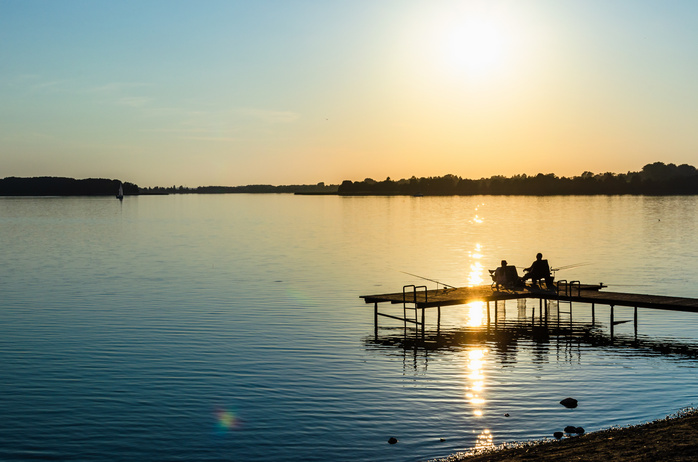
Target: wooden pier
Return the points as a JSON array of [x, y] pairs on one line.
[[420, 298]]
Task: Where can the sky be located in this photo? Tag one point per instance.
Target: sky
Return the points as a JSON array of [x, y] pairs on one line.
[[225, 92]]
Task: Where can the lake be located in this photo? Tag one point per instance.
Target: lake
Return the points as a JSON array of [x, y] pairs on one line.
[[229, 327]]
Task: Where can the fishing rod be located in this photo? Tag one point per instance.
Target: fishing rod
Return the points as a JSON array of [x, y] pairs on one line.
[[430, 280], [560, 267], [575, 265]]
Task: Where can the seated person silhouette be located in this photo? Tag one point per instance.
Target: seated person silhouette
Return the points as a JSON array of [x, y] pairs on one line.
[[538, 270], [505, 276]]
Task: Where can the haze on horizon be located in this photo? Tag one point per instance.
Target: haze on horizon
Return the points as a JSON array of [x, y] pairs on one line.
[[162, 92]]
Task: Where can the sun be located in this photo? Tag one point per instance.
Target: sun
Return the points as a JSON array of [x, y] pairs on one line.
[[477, 47]]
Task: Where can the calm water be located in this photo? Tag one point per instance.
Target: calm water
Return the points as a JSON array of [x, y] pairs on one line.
[[229, 327]]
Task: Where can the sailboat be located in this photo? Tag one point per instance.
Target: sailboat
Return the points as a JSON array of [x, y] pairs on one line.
[[120, 194]]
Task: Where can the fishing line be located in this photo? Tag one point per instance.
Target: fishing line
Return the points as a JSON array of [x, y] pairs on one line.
[[431, 280]]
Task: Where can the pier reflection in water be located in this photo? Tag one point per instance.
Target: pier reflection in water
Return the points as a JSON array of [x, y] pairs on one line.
[[550, 324], [517, 335]]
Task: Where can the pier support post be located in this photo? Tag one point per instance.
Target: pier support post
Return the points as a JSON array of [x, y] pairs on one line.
[[635, 324], [375, 320], [593, 317], [438, 320], [488, 313], [612, 325]]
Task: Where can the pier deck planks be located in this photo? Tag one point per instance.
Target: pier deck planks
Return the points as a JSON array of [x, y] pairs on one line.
[[586, 294]]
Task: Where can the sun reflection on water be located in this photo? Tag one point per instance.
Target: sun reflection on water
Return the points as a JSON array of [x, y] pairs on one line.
[[476, 379], [476, 310], [475, 391], [477, 219], [476, 314], [477, 317], [484, 440], [476, 268]]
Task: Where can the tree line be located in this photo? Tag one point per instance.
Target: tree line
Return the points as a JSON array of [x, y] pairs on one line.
[[319, 188], [59, 186], [654, 179]]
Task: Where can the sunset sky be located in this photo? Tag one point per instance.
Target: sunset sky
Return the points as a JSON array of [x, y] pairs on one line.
[[222, 92]]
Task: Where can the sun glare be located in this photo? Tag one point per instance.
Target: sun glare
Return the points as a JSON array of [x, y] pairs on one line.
[[476, 48], [478, 43]]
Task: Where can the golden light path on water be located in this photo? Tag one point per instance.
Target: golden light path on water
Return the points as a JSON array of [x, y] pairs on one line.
[[476, 310], [476, 267], [476, 317], [475, 380]]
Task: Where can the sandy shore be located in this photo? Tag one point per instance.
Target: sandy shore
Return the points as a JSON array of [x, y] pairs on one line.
[[674, 438]]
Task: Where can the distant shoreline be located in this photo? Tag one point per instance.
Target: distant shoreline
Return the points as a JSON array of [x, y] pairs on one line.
[[657, 179], [356, 195]]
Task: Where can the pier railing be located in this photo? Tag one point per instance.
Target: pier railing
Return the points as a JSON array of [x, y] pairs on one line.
[[405, 302], [564, 288]]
